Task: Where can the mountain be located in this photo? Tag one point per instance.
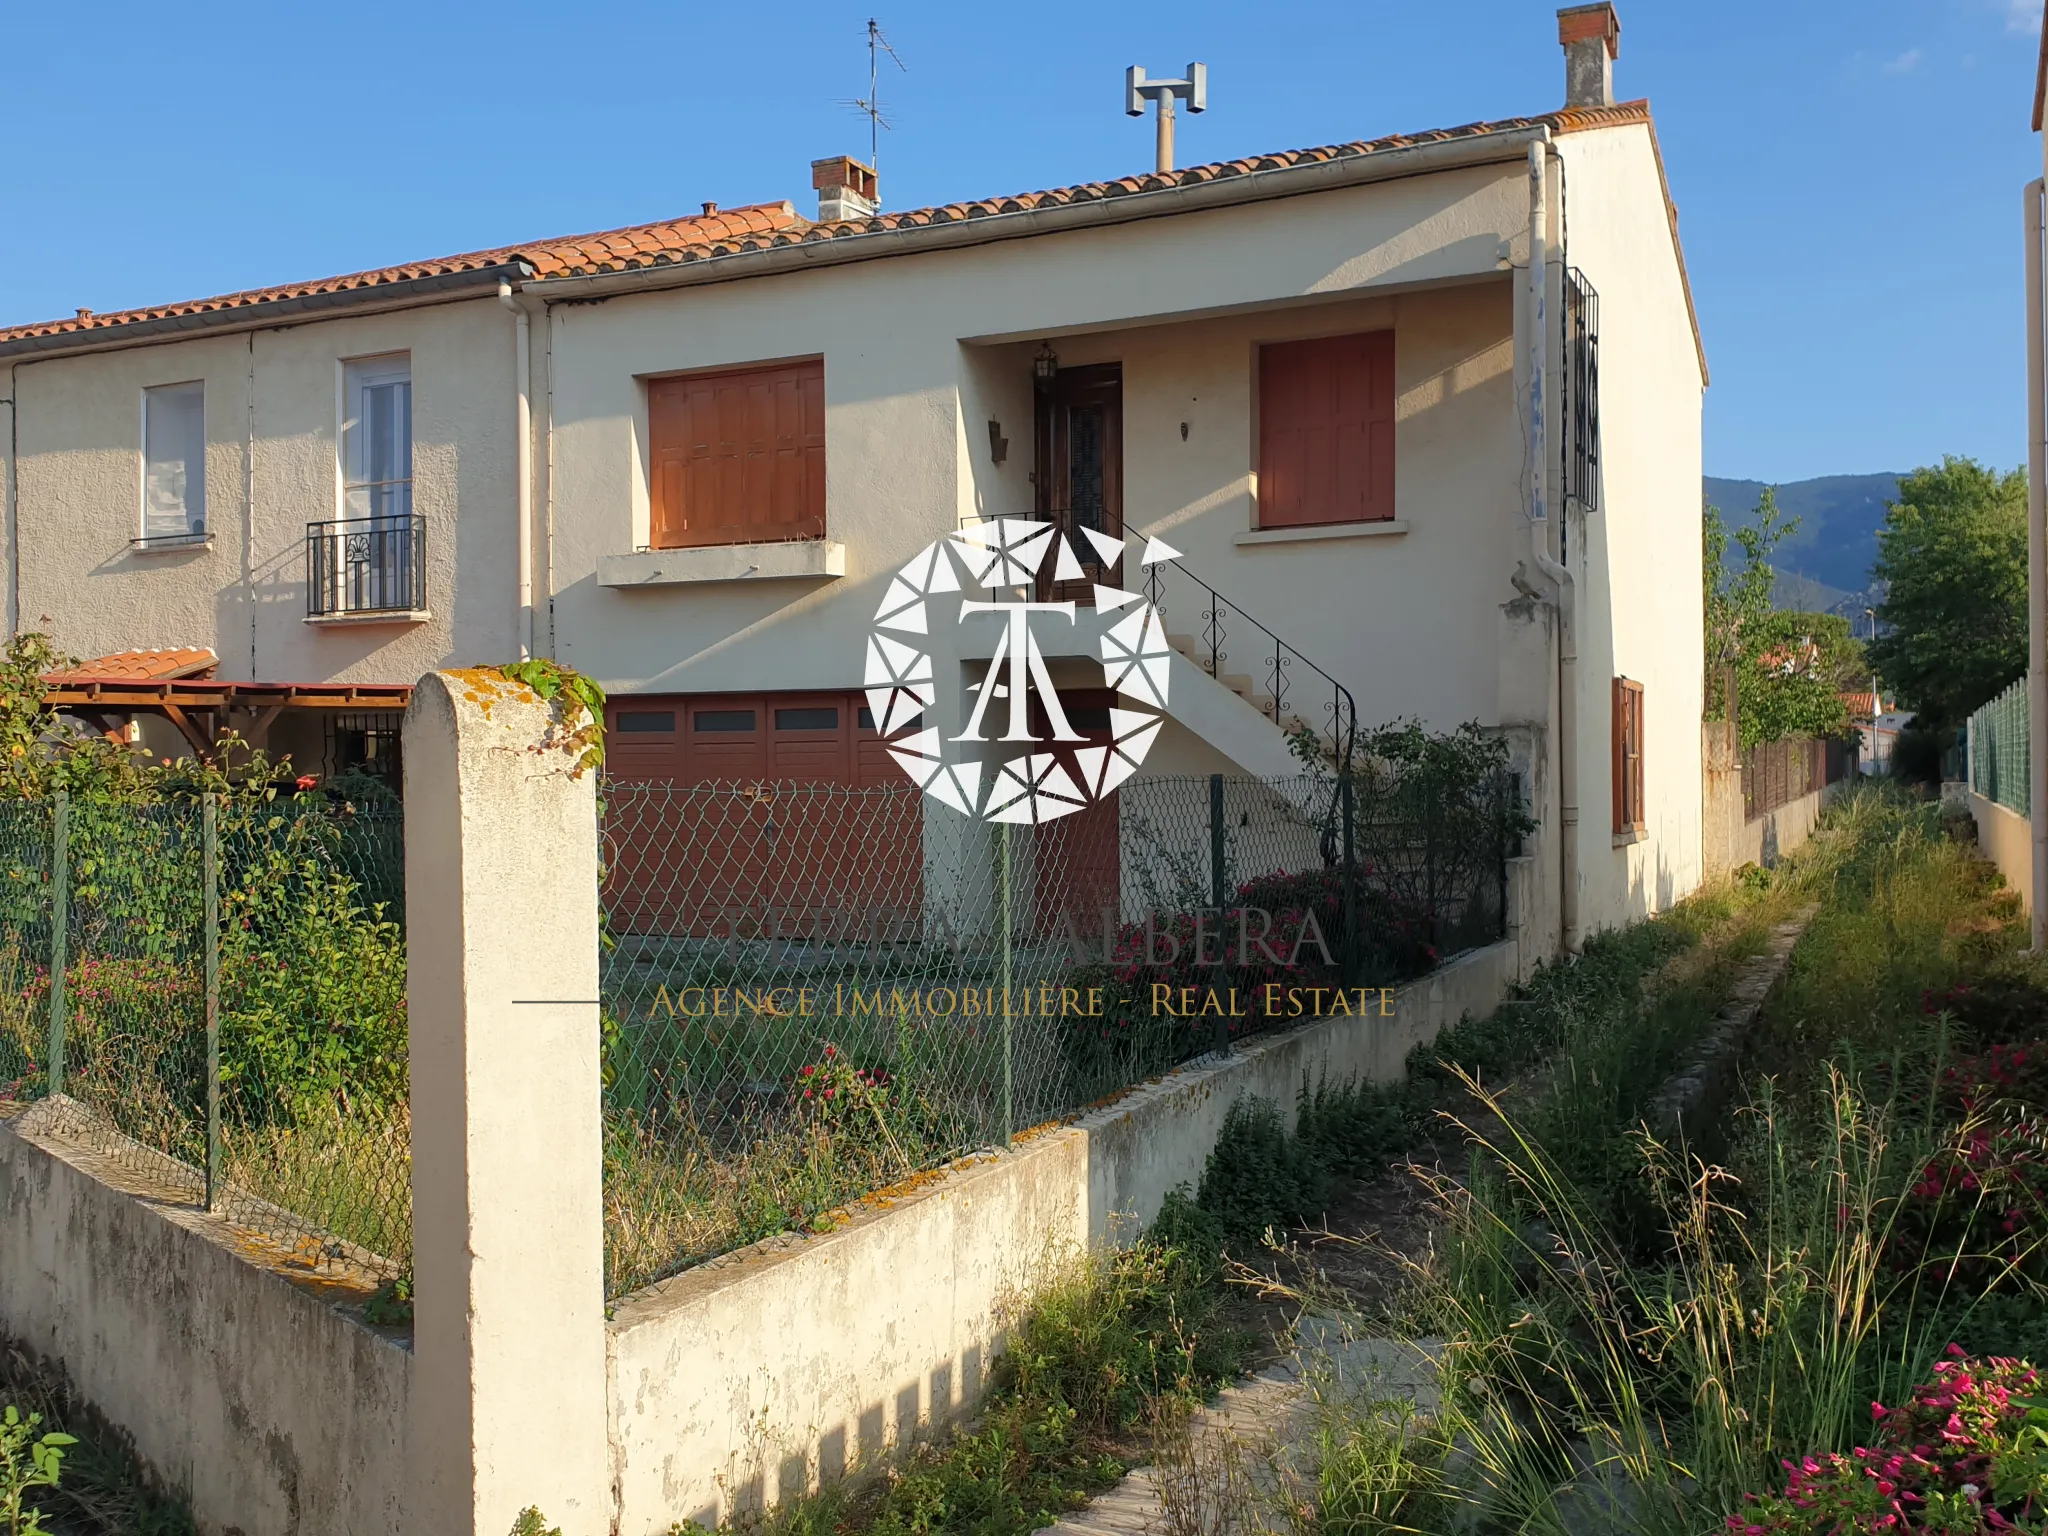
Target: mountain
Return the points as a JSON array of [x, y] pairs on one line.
[[1836, 542], [1791, 590]]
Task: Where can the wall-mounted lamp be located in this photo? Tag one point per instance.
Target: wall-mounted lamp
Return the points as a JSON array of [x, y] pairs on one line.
[[998, 445], [1045, 367]]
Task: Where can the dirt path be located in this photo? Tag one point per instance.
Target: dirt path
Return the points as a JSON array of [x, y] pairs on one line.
[[1379, 1229], [1212, 1475]]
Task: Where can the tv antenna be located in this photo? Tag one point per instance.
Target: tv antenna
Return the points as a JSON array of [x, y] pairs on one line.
[[870, 106]]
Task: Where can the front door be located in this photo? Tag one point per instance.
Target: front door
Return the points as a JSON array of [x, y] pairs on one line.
[[1080, 472]]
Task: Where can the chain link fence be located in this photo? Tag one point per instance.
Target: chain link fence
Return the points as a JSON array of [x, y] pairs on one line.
[[814, 992], [2000, 750], [212, 992]]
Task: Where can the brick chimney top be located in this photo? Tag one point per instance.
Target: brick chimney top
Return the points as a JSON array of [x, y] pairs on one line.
[[1591, 35], [846, 189]]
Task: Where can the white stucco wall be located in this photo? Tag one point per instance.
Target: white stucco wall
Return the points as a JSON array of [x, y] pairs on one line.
[[243, 1382], [921, 352], [1640, 599], [79, 474]]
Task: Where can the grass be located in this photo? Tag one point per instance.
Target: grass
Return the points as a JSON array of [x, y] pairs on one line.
[[1263, 1176], [348, 1173], [1637, 1338], [1109, 1357]]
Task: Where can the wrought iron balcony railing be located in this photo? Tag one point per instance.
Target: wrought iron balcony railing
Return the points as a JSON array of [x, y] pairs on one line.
[[366, 565]]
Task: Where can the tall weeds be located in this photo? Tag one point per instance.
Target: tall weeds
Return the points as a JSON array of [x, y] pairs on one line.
[[1637, 1340]]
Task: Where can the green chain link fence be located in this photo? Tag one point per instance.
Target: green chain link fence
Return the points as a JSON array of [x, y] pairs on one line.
[[212, 990], [814, 992], [810, 992], [2000, 749]]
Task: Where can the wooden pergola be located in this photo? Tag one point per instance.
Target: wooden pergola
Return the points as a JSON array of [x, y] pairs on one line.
[[203, 709]]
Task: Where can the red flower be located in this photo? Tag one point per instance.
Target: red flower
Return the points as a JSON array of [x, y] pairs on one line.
[[306, 782]]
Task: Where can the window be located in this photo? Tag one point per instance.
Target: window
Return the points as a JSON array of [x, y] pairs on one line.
[[1628, 756], [376, 438], [1581, 445], [647, 721], [737, 458], [821, 719], [1326, 431], [725, 720], [174, 462]]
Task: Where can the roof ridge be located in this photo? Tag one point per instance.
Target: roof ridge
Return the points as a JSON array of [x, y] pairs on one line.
[[754, 225], [726, 223]]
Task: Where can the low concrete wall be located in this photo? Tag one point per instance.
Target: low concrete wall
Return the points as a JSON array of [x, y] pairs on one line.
[[1771, 836], [1731, 837], [275, 1412], [755, 1375], [2006, 838]]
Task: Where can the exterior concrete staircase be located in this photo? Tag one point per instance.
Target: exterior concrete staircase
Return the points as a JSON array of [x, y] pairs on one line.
[[1240, 686]]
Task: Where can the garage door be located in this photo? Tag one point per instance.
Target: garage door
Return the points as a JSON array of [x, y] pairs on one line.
[[758, 815]]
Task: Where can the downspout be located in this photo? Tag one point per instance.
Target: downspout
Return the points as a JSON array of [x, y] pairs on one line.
[[1539, 546], [522, 367], [14, 499], [547, 342], [2037, 563], [249, 507]]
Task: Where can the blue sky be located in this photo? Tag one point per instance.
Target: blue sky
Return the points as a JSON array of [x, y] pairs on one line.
[[1848, 171]]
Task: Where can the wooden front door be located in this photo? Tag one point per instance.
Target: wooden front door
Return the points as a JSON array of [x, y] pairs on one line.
[[1080, 471]]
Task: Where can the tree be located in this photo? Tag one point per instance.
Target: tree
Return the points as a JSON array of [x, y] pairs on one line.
[[1953, 557], [1787, 665], [1788, 679]]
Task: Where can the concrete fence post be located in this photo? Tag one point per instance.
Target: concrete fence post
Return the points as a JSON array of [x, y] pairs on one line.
[[509, 1400]]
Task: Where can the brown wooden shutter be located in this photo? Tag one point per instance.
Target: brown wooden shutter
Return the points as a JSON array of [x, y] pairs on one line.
[[1326, 431], [1627, 728], [737, 457], [1639, 737]]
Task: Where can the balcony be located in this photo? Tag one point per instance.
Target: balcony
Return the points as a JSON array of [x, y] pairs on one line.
[[367, 570]]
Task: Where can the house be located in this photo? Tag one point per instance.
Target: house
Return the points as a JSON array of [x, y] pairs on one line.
[[686, 458]]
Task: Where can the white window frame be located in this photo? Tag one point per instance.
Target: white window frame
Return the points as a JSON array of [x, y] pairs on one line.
[[195, 526], [357, 494]]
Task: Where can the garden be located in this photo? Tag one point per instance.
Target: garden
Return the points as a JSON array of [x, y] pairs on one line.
[[1817, 1314], [207, 960], [774, 1051]]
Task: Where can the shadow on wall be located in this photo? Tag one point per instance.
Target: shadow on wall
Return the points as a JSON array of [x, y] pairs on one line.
[[1650, 892], [950, 1395]]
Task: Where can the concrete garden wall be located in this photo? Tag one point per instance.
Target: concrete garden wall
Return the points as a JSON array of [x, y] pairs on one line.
[[1735, 839], [749, 1378], [2006, 838], [250, 1390]]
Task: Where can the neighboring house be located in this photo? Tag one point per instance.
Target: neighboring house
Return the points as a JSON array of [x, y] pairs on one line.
[[1877, 726], [685, 458]]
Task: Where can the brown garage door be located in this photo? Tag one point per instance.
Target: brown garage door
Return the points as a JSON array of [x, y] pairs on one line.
[[758, 815]]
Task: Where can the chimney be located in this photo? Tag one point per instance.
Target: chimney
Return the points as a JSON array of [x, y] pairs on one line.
[[846, 189], [1591, 35]]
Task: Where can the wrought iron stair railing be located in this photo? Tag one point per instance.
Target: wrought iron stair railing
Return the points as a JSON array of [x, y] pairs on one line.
[[1283, 685]]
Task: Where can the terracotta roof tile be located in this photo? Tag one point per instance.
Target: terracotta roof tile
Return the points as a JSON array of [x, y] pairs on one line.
[[577, 255], [155, 665], [765, 225]]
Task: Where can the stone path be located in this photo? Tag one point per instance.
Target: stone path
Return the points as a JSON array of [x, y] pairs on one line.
[[1238, 1447]]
